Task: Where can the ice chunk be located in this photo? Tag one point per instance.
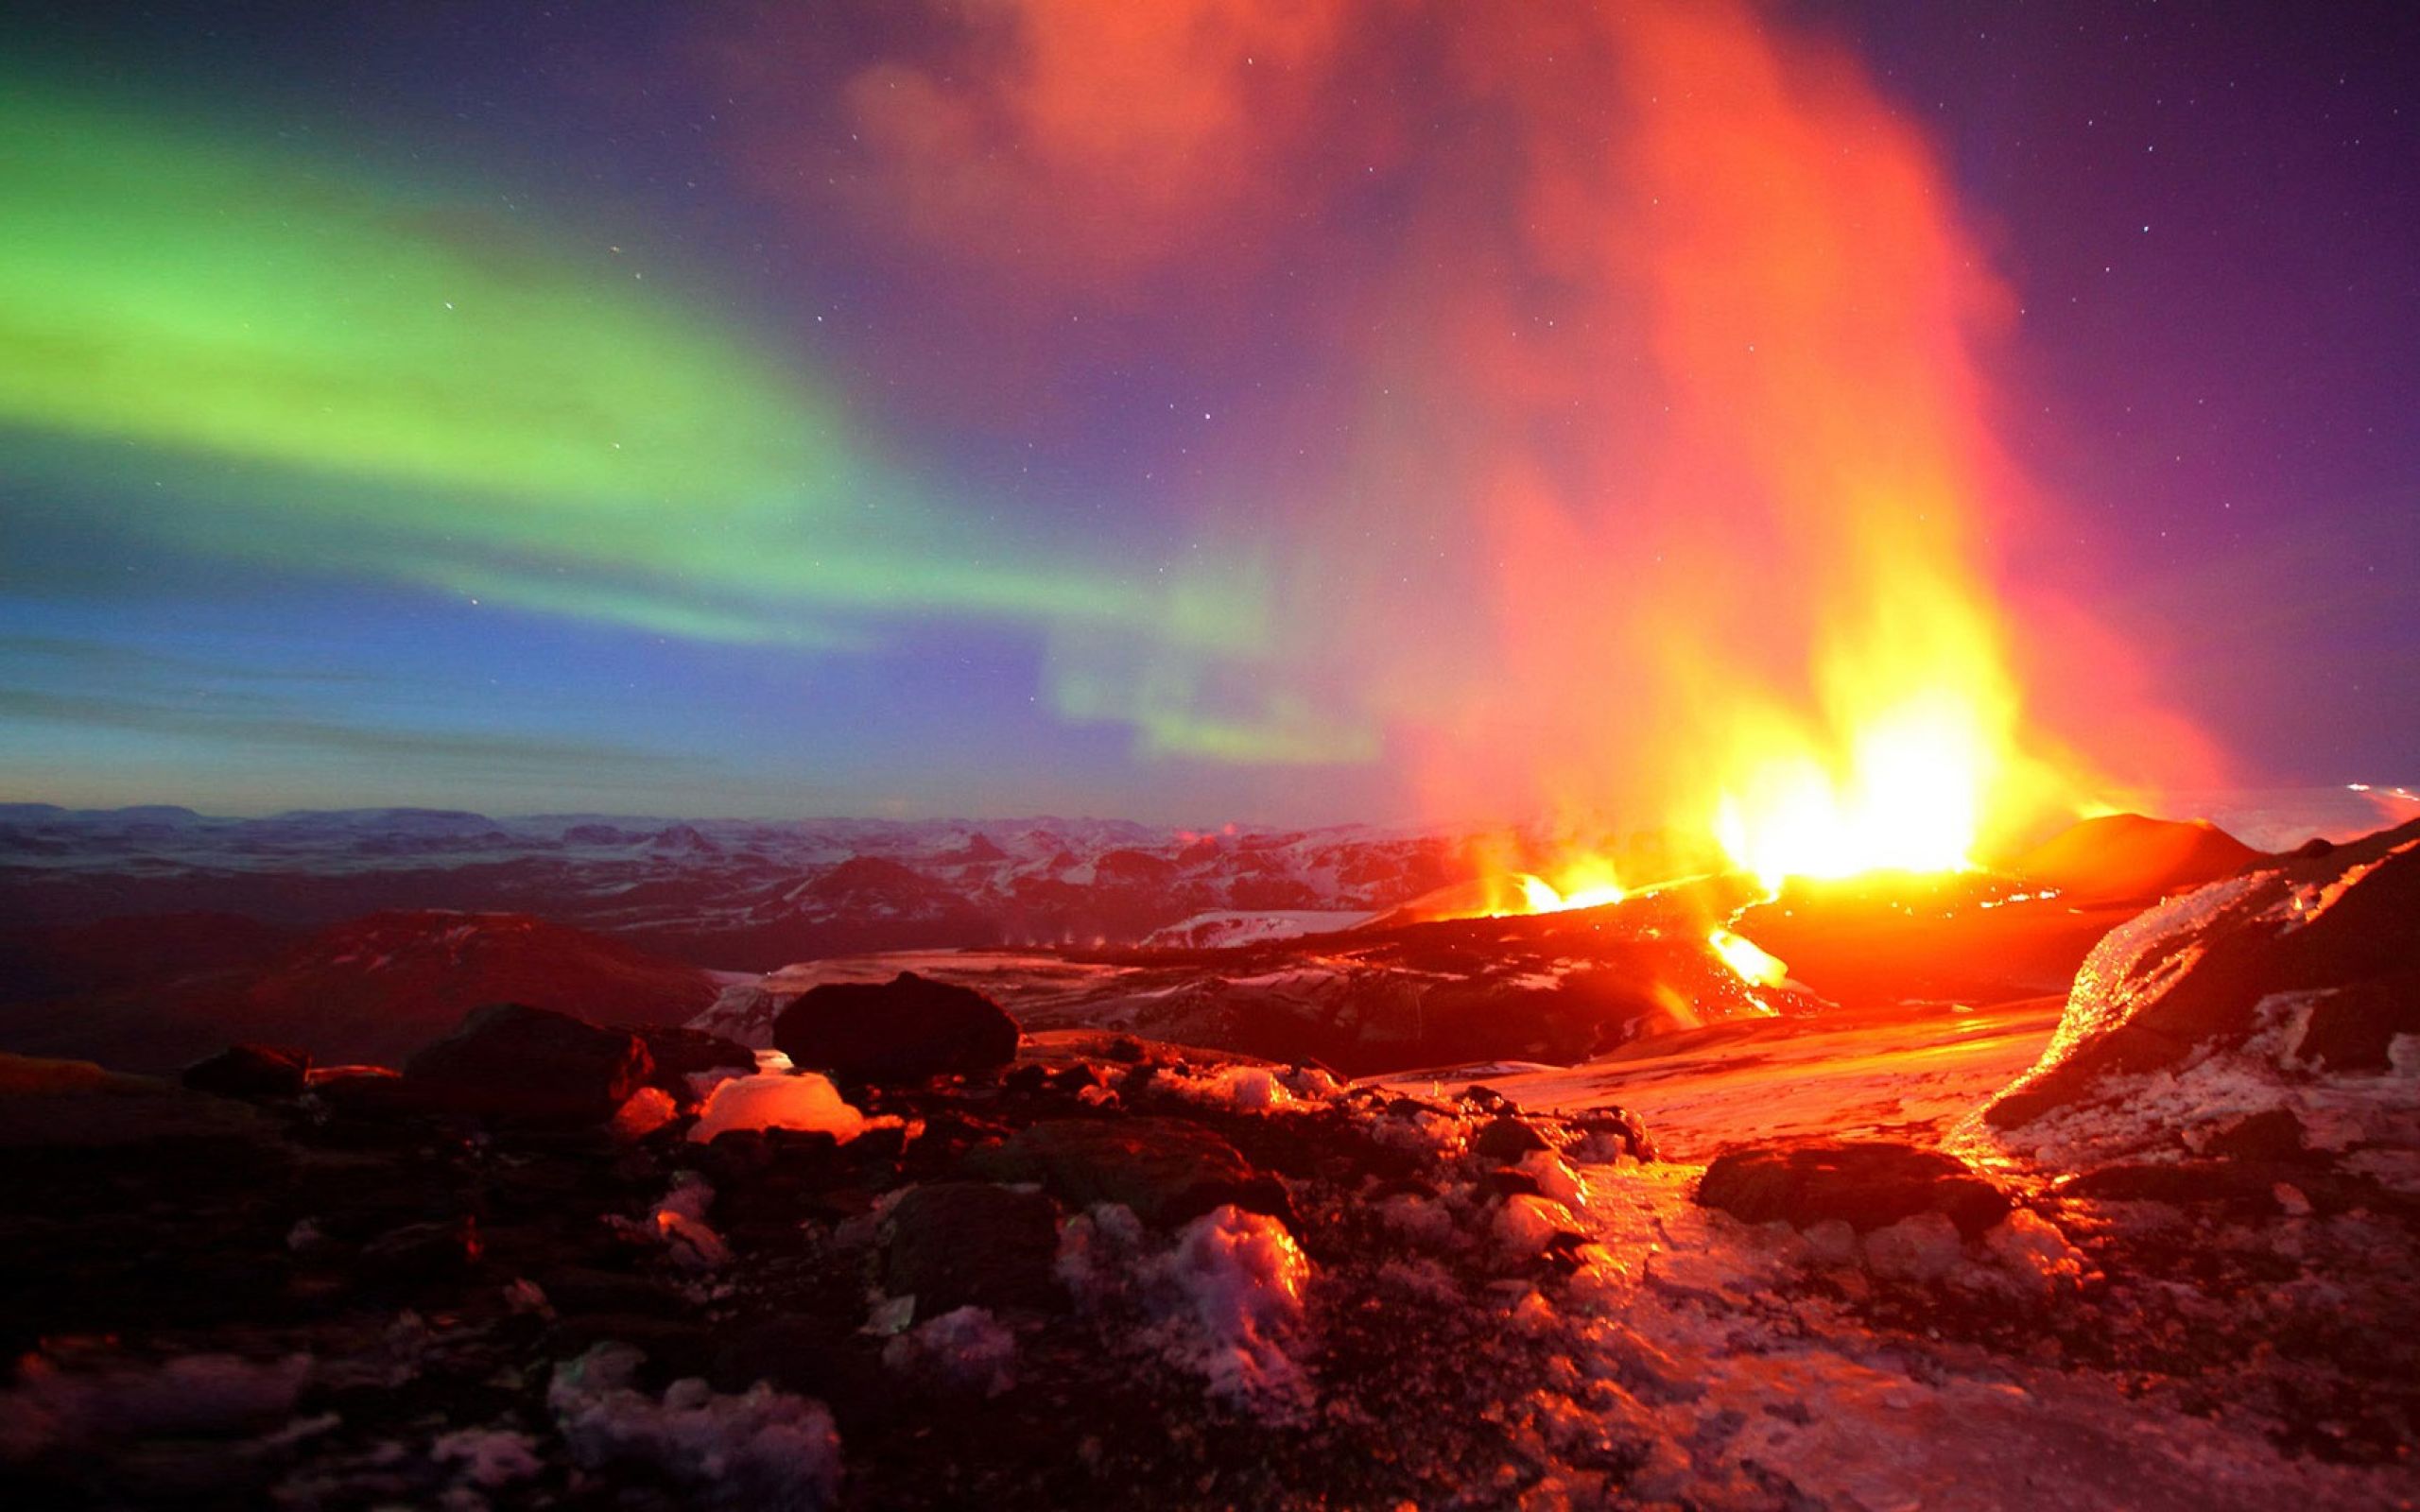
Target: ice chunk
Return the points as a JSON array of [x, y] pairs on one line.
[[1556, 1179], [1422, 1220], [1246, 1088], [1526, 1225], [680, 1221], [489, 1456], [776, 1100], [969, 1347], [1097, 1249], [2030, 1248], [1921, 1248], [648, 1110], [1229, 1299], [186, 1396], [762, 1448]]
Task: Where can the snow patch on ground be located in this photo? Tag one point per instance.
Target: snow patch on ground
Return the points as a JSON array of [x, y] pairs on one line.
[[762, 1448], [488, 1457], [1230, 1305], [53, 1409], [1224, 929], [968, 1348], [1728, 1375], [1251, 1088], [1223, 1301]]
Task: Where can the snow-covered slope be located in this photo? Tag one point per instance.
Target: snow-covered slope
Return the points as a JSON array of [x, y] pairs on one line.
[[737, 893]]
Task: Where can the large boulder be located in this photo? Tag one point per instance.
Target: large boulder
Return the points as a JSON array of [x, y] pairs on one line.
[[970, 1244], [679, 1052], [1167, 1170], [907, 1029], [251, 1071], [1867, 1184], [520, 1064], [2289, 988]]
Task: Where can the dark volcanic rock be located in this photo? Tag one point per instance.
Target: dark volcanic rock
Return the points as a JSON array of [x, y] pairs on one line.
[[251, 1071], [970, 1244], [1867, 1185], [1167, 1170], [2273, 1134], [2243, 1187], [1615, 1127], [421, 1253], [2353, 1028], [795, 1354], [530, 1065], [2126, 857], [2226, 971], [1508, 1139], [679, 1052], [367, 1093], [907, 1029]]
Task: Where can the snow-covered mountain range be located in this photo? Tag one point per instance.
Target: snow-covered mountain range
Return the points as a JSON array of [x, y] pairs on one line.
[[738, 894]]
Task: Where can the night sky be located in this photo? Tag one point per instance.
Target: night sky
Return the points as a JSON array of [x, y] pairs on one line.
[[1209, 411]]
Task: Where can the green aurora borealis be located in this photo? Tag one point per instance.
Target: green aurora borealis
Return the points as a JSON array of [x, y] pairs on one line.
[[348, 373], [1239, 412]]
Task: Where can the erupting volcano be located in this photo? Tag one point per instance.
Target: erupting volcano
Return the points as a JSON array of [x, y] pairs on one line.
[[1211, 754]]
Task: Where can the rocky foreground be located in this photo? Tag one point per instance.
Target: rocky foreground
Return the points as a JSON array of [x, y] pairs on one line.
[[549, 1264]]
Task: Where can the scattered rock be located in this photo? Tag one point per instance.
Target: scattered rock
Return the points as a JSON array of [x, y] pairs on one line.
[[1866, 1184], [418, 1254], [366, 1093], [2354, 1027], [1508, 1139], [1605, 1132], [582, 1289], [2272, 1134], [1506, 1182], [531, 1065], [1167, 1170], [648, 1110], [251, 1071], [1924, 1247], [794, 1354], [679, 1052], [907, 1029], [2245, 1187], [961, 1244]]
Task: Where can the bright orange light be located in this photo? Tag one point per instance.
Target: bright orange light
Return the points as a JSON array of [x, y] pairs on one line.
[[1749, 962], [1587, 884], [1908, 795]]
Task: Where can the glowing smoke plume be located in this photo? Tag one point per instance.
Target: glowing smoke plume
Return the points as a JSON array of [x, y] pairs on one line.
[[1672, 492], [1625, 452]]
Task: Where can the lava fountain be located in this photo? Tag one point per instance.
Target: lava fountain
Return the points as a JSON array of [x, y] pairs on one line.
[[1759, 590]]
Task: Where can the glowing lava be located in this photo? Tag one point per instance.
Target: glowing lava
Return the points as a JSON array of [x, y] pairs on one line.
[[1587, 885], [1749, 962], [1907, 796]]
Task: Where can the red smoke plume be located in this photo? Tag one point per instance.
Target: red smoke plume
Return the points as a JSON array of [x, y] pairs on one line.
[[1654, 477]]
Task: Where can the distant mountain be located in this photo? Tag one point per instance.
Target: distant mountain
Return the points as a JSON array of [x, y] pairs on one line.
[[151, 994], [733, 893]]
